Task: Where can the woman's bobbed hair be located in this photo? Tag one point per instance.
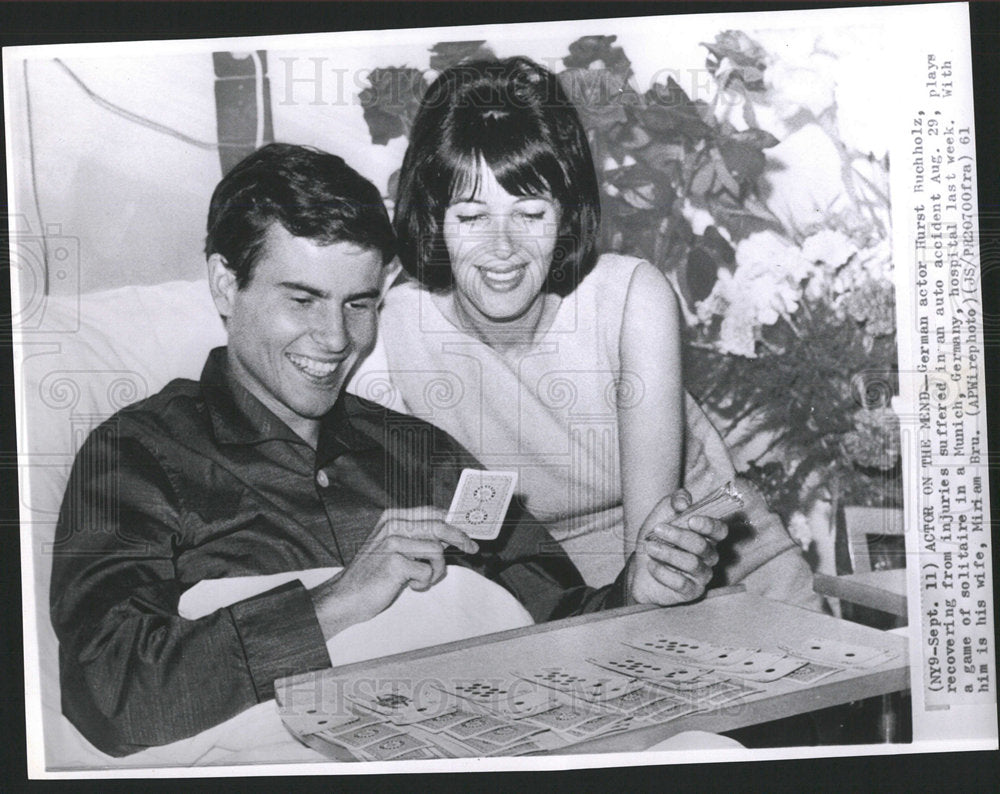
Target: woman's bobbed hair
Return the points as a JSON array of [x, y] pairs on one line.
[[513, 115]]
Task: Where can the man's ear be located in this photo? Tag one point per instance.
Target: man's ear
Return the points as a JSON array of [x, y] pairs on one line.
[[222, 282]]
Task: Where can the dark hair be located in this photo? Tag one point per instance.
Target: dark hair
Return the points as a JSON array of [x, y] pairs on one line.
[[514, 115], [311, 193]]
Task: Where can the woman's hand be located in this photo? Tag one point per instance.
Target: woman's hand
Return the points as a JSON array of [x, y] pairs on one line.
[[673, 564]]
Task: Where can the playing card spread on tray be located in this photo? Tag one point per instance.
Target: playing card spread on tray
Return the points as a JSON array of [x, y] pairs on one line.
[[480, 502], [394, 746], [584, 682], [357, 738], [519, 749], [756, 661], [444, 721], [402, 703], [811, 672], [513, 699], [654, 671], [509, 733], [770, 671], [683, 649], [600, 725], [474, 725], [313, 721], [833, 652], [561, 717]]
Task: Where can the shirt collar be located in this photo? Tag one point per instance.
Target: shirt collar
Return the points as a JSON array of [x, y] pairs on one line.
[[238, 417]]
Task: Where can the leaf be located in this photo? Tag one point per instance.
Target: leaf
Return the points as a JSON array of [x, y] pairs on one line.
[[446, 54], [391, 101], [749, 116], [759, 139], [630, 176], [722, 252], [588, 49], [746, 59], [668, 109], [383, 126], [667, 158], [723, 177], [703, 179], [702, 273], [642, 197], [632, 136], [744, 161], [740, 223], [756, 208], [600, 96]]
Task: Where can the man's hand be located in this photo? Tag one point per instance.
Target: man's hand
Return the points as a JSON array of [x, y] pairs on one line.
[[673, 564], [406, 549]]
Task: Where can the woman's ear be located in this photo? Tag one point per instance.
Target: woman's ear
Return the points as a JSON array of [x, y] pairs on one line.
[[222, 282]]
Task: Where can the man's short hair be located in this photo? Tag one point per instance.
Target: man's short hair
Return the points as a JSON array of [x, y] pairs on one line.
[[311, 193]]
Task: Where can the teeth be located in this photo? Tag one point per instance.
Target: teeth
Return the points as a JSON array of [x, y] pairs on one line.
[[318, 369], [502, 276]]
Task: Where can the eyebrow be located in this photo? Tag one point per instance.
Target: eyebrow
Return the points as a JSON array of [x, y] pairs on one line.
[[319, 293], [368, 293]]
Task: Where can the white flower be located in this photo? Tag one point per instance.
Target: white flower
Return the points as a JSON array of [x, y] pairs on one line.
[[805, 182], [769, 255], [876, 262], [764, 287], [736, 336], [829, 246], [799, 87]]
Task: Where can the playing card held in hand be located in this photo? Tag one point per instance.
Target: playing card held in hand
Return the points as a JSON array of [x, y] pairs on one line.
[[481, 501]]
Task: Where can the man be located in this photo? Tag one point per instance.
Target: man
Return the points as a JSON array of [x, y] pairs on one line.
[[266, 465]]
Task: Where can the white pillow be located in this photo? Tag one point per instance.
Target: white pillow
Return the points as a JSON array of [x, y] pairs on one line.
[[87, 356]]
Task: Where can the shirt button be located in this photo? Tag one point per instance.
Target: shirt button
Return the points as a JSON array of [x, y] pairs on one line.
[[321, 479]]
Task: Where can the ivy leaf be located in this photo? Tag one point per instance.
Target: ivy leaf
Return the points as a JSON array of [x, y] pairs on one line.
[[446, 54], [588, 49], [670, 110]]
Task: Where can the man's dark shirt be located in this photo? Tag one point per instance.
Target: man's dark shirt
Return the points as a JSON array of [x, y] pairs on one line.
[[202, 481]]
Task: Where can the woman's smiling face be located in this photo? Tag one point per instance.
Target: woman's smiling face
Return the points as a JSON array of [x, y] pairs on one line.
[[500, 247]]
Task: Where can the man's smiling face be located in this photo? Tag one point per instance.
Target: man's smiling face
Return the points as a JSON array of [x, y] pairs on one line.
[[296, 331]]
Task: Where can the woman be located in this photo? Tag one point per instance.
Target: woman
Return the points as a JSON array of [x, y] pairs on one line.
[[517, 339]]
